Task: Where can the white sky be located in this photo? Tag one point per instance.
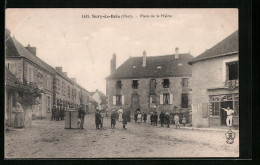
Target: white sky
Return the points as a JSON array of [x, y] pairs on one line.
[[84, 46]]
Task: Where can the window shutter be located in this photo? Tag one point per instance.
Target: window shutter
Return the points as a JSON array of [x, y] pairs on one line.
[[161, 98], [114, 100], [171, 98], [123, 100]]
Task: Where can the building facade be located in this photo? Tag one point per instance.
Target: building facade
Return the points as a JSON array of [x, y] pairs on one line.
[[57, 88], [215, 83], [153, 83]]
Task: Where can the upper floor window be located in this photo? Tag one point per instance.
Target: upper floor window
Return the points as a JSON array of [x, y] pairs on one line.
[[119, 84], [166, 83], [184, 82], [135, 84], [152, 84], [232, 71]]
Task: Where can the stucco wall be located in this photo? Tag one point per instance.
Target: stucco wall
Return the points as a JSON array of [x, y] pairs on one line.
[[206, 74]]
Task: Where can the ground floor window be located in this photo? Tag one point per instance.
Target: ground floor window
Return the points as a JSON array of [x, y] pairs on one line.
[[223, 101], [118, 99]]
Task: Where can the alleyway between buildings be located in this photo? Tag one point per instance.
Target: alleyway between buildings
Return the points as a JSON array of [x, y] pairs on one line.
[[49, 139]]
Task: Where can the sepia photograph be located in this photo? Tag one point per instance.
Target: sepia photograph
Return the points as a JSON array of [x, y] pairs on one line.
[[121, 83]]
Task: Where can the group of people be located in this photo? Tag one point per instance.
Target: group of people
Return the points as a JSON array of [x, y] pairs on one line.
[[139, 116], [57, 113], [122, 116]]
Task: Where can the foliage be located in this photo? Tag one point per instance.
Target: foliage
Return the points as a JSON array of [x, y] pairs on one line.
[[29, 96]]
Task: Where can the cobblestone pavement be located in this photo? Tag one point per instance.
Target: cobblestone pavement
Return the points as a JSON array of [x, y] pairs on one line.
[[49, 139]]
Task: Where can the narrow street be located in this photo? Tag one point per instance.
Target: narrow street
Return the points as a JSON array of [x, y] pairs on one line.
[[49, 139]]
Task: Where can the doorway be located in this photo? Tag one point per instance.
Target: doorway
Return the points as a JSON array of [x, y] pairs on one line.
[[223, 114], [135, 101]]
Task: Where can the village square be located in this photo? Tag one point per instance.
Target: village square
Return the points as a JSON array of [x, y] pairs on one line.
[[168, 105]]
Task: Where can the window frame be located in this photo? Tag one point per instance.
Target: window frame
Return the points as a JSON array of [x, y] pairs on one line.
[[135, 84], [165, 85], [118, 100], [166, 95]]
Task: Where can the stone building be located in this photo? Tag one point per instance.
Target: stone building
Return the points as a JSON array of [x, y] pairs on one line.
[[27, 67], [58, 89], [215, 83], [151, 83]]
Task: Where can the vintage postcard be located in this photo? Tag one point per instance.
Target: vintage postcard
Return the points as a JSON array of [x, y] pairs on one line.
[[121, 83]]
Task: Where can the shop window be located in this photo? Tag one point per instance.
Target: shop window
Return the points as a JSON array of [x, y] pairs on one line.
[[135, 84], [184, 100], [214, 106], [166, 83], [232, 71], [184, 82]]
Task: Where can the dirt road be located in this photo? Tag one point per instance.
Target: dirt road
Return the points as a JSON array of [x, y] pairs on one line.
[[49, 139]]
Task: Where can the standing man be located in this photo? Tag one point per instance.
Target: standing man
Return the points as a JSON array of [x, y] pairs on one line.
[[152, 118], [167, 118], [113, 119], [97, 119], [81, 116], [144, 117], [124, 117], [53, 113], [230, 113], [155, 119], [177, 120], [135, 116], [161, 116]]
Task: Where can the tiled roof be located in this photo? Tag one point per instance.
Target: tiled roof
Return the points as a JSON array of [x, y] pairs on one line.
[[15, 49], [224, 47], [132, 68]]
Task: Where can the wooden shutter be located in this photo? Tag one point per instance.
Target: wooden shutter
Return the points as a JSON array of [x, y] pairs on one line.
[[171, 98], [123, 100], [114, 100], [161, 98]]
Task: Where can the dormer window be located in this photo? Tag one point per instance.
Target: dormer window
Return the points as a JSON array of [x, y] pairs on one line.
[[232, 70], [166, 83], [135, 84], [159, 67]]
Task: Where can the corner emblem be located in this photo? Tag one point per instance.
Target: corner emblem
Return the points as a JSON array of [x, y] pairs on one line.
[[230, 136]]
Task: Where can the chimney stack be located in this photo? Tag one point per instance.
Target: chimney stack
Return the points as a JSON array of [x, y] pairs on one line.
[[31, 49], [65, 73], [176, 52], [59, 69], [74, 79], [144, 58], [113, 63]]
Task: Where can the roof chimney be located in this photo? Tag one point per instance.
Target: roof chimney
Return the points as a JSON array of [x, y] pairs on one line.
[[74, 79], [65, 73], [113, 63], [144, 58], [31, 49], [59, 69], [176, 52]]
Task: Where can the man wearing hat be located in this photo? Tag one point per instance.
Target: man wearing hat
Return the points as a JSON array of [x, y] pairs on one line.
[[167, 119], [81, 116], [53, 112], [98, 119], [113, 119]]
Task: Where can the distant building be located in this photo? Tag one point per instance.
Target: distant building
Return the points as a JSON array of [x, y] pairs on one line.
[[215, 83], [100, 99], [151, 83]]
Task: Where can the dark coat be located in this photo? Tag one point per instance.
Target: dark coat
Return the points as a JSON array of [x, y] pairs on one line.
[[82, 113], [155, 117], [113, 118], [167, 119], [124, 116], [162, 117], [152, 118], [145, 116], [98, 118], [135, 116]]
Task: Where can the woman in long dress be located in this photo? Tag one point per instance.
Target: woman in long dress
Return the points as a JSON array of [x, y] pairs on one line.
[[120, 113], [19, 121]]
